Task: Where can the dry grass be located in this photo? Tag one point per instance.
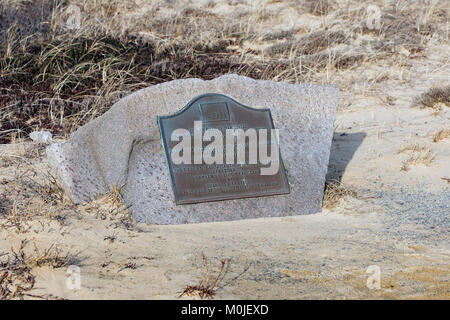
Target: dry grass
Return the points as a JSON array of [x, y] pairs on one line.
[[434, 278], [417, 155], [16, 280], [111, 207], [419, 248], [16, 277], [309, 44], [431, 280], [441, 135], [318, 7], [307, 276], [413, 147], [335, 192], [113, 199], [205, 289], [51, 257], [435, 98], [31, 193], [128, 265], [58, 79], [424, 158]]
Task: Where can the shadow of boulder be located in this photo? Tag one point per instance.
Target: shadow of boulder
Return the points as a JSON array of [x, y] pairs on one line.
[[343, 148]]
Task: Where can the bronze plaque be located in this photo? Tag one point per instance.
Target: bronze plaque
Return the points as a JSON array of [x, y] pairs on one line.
[[210, 151]]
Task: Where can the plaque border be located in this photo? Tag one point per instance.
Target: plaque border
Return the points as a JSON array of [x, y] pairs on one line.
[[169, 165]]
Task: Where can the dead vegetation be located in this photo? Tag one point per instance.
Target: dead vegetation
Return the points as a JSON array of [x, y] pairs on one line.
[[431, 279], [319, 7], [128, 265], [111, 207], [205, 289], [16, 276], [424, 158], [335, 192], [413, 147], [131, 263], [435, 98], [16, 280], [311, 43], [31, 193], [416, 155], [434, 278], [57, 79], [441, 135]]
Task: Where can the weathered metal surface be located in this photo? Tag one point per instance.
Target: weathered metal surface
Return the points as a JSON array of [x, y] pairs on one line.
[[200, 182]]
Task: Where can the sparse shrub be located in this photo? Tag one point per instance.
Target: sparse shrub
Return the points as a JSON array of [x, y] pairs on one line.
[[440, 135], [16, 276], [435, 98], [422, 158], [205, 289], [335, 192], [318, 7], [309, 44]]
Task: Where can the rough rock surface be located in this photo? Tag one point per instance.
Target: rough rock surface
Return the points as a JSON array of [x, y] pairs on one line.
[[123, 148]]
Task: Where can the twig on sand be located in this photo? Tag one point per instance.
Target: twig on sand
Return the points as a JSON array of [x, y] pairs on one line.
[[205, 291]]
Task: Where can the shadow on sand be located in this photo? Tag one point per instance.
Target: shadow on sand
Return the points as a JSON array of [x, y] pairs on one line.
[[343, 148]]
